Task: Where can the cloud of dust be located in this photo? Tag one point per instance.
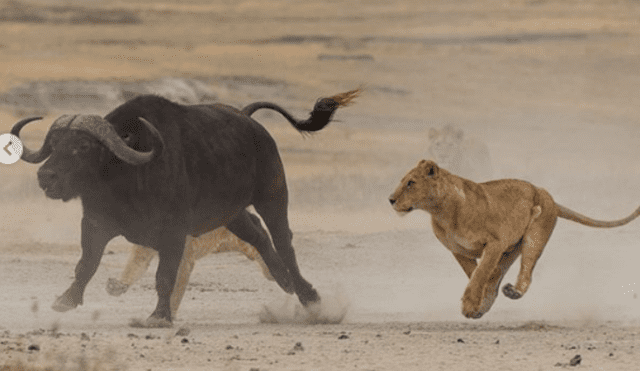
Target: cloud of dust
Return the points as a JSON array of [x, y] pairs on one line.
[[332, 309]]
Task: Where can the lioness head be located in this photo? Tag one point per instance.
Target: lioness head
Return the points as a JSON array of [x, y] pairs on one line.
[[419, 189]]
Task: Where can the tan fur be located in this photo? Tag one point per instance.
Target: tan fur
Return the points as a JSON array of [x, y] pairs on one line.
[[494, 222], [216, 241]]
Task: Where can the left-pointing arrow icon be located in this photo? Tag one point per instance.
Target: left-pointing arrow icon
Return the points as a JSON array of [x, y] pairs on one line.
[[11, 149]]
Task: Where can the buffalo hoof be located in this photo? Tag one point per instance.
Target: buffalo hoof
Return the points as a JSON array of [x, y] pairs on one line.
[[284, 280], [116, 287], [63, 303], [309, 297], [157, 322]]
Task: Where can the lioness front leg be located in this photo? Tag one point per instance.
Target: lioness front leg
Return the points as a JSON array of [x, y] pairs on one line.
[[137, 264], [478, 284], [468, 264]]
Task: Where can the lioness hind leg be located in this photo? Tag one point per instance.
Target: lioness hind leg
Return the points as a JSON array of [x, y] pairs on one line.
[[533, 243]]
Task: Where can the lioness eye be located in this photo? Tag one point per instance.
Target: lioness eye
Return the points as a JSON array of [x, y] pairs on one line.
[[410, 183]]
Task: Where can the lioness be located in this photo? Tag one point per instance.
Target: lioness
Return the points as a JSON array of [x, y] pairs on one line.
[[216, 241], [494, 221]]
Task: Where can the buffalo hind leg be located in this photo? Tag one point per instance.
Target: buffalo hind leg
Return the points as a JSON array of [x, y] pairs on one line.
[[250, 231], [274, 214]]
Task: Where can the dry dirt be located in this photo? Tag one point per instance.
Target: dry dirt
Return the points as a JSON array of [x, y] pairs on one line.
[[550, 87]]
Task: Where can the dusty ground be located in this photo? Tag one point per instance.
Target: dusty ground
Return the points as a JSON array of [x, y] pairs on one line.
[[551, 87]]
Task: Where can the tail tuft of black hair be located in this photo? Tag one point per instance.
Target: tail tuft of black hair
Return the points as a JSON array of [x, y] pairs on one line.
[[324, 110], [319, 118]]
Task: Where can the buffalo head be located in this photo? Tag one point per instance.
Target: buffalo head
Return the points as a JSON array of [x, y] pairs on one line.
[[77, 148]]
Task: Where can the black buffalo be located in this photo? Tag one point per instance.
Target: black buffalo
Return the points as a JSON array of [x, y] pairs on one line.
[[155, 171]]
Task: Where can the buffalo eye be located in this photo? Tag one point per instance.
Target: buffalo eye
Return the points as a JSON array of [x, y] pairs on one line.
[[54, 139], [82, 147]]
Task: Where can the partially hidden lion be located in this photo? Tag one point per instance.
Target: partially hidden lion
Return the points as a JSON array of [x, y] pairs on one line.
[[216, 241], [463, 155], [495, 222]]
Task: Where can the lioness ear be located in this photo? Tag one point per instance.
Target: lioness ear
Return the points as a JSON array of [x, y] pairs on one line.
[[430, 167], [432, 170]]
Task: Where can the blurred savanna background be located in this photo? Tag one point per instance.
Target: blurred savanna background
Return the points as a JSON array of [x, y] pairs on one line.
[[545, 91]]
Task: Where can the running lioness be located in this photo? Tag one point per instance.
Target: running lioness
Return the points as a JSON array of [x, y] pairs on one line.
[[494, 221]]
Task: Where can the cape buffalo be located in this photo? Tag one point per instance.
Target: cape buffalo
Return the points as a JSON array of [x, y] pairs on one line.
[[155, 171]]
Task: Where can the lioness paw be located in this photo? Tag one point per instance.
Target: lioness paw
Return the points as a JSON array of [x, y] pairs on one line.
[[509, 291], [116, 287], [471, 311], [471, 305]]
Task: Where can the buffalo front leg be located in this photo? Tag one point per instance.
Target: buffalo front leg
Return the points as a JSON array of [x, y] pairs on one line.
[[93, 240], [170, 253], [187, 263]]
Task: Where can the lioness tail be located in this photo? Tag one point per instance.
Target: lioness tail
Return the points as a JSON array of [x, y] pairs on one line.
[[569, 214]]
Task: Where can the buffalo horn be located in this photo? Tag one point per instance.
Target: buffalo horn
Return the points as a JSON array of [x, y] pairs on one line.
[[102, 130], [98, 128], [28, 155]]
